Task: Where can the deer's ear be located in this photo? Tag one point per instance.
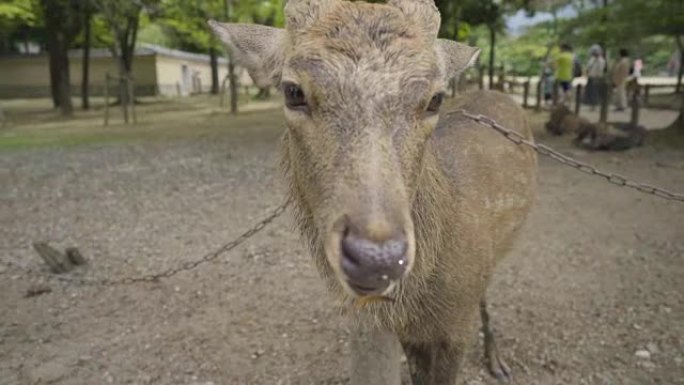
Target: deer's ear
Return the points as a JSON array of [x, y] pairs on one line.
[[257, 48], [456, 57]]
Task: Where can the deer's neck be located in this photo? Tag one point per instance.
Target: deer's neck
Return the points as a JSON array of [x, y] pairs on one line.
[[428, 212]]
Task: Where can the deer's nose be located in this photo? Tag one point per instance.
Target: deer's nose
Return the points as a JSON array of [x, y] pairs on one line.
[[370, 265]]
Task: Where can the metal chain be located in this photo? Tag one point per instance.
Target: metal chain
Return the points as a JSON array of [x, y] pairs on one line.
[[481, 119], [613, 178], [185, 266]]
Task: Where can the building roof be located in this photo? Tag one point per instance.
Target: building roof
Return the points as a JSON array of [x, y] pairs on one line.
[[143, 49]]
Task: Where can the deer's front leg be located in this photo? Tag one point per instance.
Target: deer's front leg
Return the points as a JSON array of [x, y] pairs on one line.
[[375, 356], [434, 363]]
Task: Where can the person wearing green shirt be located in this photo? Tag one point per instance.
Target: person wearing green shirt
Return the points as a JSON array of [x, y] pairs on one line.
[[564, 70]]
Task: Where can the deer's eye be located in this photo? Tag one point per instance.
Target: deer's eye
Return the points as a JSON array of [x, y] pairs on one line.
[[294, 96], [435, 102]]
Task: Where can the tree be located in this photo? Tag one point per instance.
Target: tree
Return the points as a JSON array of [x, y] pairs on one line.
[[613, 22], [62, 24], [87, 42], [123, 20], [15, 14], [490, 14], [660, 17], [188, 19]]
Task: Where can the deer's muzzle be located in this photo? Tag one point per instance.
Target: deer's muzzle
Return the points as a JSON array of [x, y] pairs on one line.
[[372, 260]]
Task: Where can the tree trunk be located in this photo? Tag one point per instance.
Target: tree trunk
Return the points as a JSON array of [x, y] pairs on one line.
[[127, 43], [58, 50], [26, 41], [213, 58], [679, 123], [123, 89], [65, 103], [54, 70], [228, 5], [492, 50], [233, 86], [680, 45], [51, 43], [85, 81], [59, 74]]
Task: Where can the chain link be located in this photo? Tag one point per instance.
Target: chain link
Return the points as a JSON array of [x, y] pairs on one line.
[[185, 266], [613, 178]]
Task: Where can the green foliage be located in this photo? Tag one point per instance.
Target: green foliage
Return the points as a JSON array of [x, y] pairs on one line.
[[186, 20], [627, 23], [17, 16], [615, 26], [18, 12]]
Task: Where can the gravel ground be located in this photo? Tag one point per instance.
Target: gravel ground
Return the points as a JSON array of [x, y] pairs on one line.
[[592, 294]]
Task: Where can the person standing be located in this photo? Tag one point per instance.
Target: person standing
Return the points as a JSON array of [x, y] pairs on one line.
[[620, 77], [595, 69], [548, 83], [638, 67], [564, 71]]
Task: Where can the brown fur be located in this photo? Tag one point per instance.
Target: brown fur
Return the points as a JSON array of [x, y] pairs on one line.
[[563, 121], [592, 136], [611, 137], [366, 151]]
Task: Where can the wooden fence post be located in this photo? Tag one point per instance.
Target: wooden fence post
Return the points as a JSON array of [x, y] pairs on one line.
[[605, 100], [223, 90], [635, 104], [480, 76], [462, 83], [106, 96], [131, 97], [578, 99], [554, 93], [539, 93], [526, 93]]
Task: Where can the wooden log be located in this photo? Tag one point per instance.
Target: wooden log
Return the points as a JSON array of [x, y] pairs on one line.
[[37, 289], [75, 256], [56, 261]]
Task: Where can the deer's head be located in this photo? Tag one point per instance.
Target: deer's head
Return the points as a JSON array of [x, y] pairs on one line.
[[363, 84]]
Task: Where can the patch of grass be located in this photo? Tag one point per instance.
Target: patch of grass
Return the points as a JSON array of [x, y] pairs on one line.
[[167, 119]]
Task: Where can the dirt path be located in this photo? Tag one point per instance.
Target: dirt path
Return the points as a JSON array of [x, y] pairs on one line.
[[596, 277]]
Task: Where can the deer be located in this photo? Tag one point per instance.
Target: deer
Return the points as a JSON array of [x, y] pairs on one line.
[[612, 136], [405, 204]]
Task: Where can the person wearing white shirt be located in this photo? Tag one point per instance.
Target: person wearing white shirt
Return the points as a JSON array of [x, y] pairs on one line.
[[594, 71]]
